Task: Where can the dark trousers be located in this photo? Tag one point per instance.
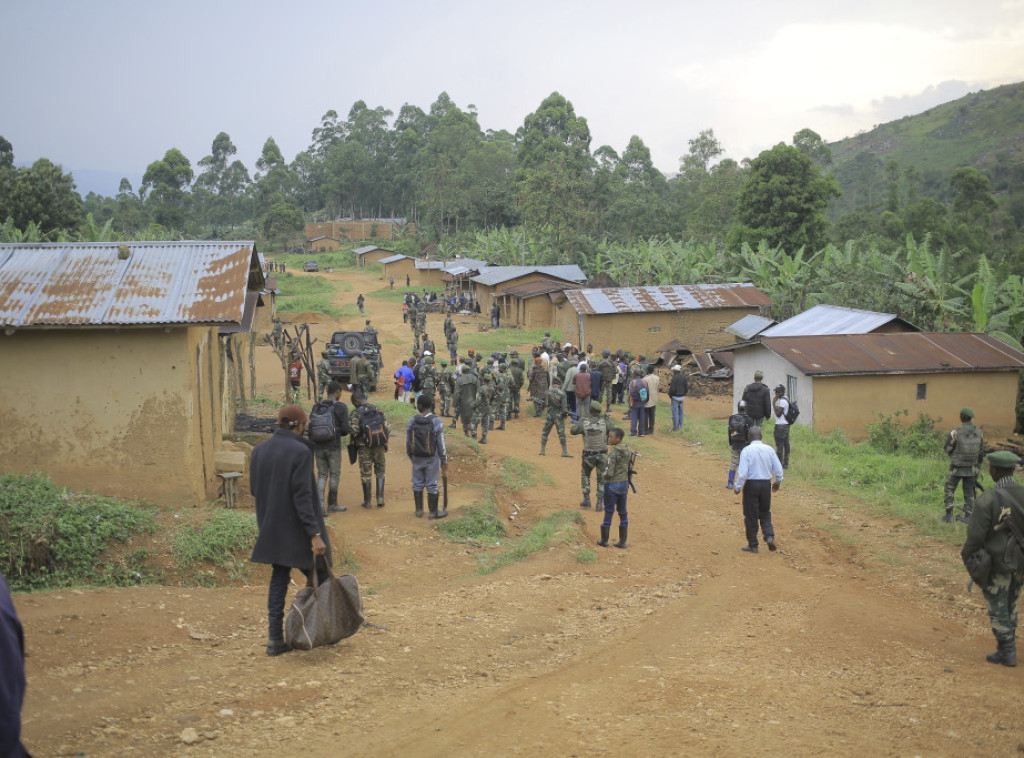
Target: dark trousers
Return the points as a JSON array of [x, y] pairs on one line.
[[570, 400], [637, 420], [615, 500], [280, 576], [757, 509], [781, 434], [650, 418]]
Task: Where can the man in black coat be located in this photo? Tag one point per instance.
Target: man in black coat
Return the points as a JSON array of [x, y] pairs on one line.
[[12, 676], [288, 513], [758, 399]]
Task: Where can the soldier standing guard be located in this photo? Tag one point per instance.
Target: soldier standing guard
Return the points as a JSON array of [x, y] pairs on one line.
[[594, 429], [557, 410], [465, 399], [965, 446], [444, 387], [540, 383], [516, 382], [482, 410], [323, 375]]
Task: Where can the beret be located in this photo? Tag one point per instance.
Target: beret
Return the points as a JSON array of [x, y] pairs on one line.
[[1002, 459]]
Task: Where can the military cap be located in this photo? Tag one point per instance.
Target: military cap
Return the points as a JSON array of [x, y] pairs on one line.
[[429, 358], [595, 406], [514, 352], [1003, 459], [488, 377], [606, 352], [444, 362], [967, 413]]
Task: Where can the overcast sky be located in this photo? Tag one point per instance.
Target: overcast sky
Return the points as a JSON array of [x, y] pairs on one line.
[[113, 84]]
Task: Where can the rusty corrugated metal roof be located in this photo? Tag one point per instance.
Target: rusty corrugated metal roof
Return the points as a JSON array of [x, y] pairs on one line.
[[91, 284], [895, 353], [676, 297], [534, 288]]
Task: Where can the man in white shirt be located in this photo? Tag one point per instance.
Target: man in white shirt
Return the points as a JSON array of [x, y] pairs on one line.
[[781, 433], [758, 463]]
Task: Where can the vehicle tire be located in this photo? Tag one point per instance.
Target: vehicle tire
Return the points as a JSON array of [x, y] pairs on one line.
[[350, 343]]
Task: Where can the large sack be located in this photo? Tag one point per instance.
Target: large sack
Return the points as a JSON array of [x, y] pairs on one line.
[[324, 613]]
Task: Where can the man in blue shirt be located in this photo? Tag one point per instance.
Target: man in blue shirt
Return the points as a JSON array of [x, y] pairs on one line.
[[758, 463]]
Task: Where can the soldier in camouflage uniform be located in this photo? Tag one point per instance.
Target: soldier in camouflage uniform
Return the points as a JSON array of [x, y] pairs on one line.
[[453, 344], [609, 371], [515, 384], [502, 381], [449, 326], [428, 344], [444, 387], [323, 375], [965, 446], [428, 377], [556, 409], [276, 335], [546, 343], [484, 401], [361, 373], [594, 429], [466, 387], [540, 383], [371, 459]]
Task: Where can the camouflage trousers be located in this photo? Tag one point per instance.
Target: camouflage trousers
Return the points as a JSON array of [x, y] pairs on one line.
[[514, 401], [469, 420], [446, 398], [499, 411], [559, 424], [1001, 599], [482, 418], [596, 462], [371, 459], [607, 392], [967, 484]]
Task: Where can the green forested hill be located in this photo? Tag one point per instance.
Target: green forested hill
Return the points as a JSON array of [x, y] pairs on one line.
[[983, 129]]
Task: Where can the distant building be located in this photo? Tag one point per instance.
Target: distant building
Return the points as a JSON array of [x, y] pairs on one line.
[[493, 278], [641, 319], [371, 254], [532, 304], [322, 245], [113, 372], [836, 319], [398, 266], [844, 381]]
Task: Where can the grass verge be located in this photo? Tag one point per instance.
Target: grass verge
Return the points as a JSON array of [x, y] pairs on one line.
[[562, 525], [216, 542], [517, 473], [52, 537]]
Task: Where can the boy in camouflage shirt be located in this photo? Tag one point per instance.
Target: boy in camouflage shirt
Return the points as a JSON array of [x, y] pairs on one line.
[[616, 487]]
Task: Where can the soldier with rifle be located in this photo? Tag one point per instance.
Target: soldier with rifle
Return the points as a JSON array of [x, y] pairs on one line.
[[594, 428], [965, 446], [618, 480]]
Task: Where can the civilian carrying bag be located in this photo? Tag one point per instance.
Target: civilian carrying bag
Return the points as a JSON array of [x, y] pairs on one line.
[[322, 424], [324, 613]]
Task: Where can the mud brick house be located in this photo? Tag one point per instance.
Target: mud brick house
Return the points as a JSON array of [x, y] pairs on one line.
[[842, 381], [428, 273], [532, 304], [399, 266], [322, 244], [115, 373], [640, 319], [371, 254], [491, 279]]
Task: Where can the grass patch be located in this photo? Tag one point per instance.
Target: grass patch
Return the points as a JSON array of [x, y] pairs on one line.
[[397, 413], [891, 484], [338, 259], [562, 525], [52, 537], [346, 563], [477, 523], [517, 473], [586, 555], [218, 541], [501, 340], [309, 292]]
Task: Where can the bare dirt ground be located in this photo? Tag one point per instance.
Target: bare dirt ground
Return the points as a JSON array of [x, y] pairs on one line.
[[855, 638]]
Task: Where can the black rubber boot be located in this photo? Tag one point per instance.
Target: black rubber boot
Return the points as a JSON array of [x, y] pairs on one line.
[[432, 500], [586, 501], [483, 438], [431, 503], [948, 518], [565, 451], [366, 494], [332, 502], [623, 531], [380, 491], [417, 496], [603, 542], [1006, 653]]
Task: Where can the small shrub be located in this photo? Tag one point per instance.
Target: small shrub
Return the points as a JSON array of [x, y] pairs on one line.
[[518, 473], [920, 438], [479, 523], [586, 555], [562, 524], [53, 537]]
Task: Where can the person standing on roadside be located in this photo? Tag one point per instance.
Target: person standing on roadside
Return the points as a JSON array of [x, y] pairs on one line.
[[638, 395], [616, 487], [594, 428], [965, 447], [653, 381], [556, 408], [288, 513], [360, 302], [425, 446], [758, 464], [758, 398], [997, 516], [295, 376], [781, 430], [677, 389]]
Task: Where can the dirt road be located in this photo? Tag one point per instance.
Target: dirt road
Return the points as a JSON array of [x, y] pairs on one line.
[[855, 638]]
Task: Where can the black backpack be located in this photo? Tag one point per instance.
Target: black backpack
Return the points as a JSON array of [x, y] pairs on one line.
[[322, 424], [738, 428], [793, 412], [375, 430], [421, 444]]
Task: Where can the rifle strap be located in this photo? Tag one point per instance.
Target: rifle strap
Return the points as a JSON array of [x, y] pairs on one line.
[[1015, 506]]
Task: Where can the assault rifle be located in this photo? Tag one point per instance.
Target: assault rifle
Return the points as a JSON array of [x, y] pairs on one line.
[[631, 470]]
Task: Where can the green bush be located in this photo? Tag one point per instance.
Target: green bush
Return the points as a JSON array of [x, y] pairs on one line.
[[52, 537], [890, 435]]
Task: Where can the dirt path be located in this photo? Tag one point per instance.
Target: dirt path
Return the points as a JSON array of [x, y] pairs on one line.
[[855, 638]]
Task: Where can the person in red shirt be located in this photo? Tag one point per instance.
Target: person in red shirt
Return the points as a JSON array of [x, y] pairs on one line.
[[295, 376]]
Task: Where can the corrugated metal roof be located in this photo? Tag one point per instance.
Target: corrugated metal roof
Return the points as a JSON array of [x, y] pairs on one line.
[[365, 250], [429, 265], [833, 319], [494, 275], [86, 284], [676, 297], [895, 353], [392, 258], [538, 287], [749, 326]]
